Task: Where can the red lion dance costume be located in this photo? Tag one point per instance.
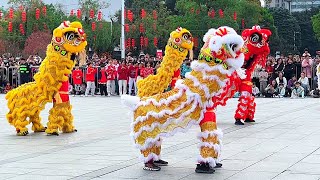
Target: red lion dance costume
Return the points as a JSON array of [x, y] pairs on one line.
[[256, 50]]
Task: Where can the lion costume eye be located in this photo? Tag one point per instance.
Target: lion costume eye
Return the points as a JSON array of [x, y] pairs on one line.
[[255, 38], [186, 36], [70, 36]]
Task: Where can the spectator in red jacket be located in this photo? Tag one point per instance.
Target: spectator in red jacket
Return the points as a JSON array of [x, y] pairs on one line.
[[102, 80], [111, 76], [147, 71], [90, 78], [133, 73], [77, 76], [122, 77]]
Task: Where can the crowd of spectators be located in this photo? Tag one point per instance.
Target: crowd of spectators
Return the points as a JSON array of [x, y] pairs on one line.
[[283, 76]]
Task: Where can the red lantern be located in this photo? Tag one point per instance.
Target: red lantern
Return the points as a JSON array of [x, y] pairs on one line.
[[155, 26], [141, 28], [192, 10], [99, 16], [44, 10], [11, 13], [130, 15], [143, 13], [198, 11], [155, 14], [79, 13], [146, 41], [21, 8], [21, 29], [128, 43], [24, 16], [91, 13], [0, 14], [221, 13], [72, 12], [235, 16], [127, 27], [212, 13], [37, 14], [93, 26], [133, 42], [155, 42], [195, 42], [10, 26], [141, 41], [243, 23]]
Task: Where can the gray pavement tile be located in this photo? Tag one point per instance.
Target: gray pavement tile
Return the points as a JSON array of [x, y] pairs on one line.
[[307, 168], [219, 174], [296, 176], [39, 177], [250, 175], [102, 148]]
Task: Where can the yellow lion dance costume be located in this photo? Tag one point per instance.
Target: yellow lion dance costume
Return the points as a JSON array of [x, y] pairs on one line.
[[165, 114], [178, 46], [51, 84]]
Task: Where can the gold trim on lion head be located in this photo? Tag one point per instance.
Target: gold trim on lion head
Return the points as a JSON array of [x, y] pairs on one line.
[[70, 36]]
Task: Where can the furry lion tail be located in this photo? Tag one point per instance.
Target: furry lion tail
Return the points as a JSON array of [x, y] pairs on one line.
[[130, 101]]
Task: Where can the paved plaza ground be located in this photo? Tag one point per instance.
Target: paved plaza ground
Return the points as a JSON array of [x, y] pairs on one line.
[[283, 144]]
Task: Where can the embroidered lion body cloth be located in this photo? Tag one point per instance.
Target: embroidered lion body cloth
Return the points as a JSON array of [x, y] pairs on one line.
[[165, 114]]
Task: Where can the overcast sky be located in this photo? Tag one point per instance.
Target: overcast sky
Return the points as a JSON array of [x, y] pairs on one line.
[[73, 4]]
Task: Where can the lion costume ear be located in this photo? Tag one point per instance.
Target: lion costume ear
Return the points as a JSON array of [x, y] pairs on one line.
[[57, 32]]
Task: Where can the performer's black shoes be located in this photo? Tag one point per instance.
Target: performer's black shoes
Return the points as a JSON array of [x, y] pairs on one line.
[[161, 163], [238, 122], [218, 165], [249, 120], [204, 168], [150, 166]]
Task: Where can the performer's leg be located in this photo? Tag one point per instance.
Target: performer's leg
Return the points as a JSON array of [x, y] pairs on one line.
[[93, 88], [36, 123], [149, 156], [120, 87], [56, 118], [210, 145], [130, 85], [251, 110], [159, 162], [20, 124], [109, 87], [67, 126], [242, 109], [124, 84]]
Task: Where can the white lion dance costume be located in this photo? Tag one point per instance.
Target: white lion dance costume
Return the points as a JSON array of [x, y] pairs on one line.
[[165, 114], [51, 84]]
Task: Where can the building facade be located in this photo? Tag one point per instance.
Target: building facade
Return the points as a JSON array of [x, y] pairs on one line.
[[294, 5]]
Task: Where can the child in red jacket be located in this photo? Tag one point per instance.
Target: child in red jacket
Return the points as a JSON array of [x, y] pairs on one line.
[[122, 77], [77, 76], [102, 80], [111, 76], [90, 78], [133, 74]]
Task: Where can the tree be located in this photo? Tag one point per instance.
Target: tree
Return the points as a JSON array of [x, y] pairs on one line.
[[316, 25], [288, 28], [309, 39], [37, 42]]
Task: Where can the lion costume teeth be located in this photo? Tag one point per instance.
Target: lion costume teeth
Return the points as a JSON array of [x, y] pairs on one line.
[[165, 114], [51, 84]]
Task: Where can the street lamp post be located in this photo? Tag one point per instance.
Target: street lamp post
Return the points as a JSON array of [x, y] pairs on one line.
[[123, 49], [294, 40], [289, 3]]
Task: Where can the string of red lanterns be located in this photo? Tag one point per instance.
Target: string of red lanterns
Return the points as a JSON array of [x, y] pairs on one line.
[[37, 14]]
